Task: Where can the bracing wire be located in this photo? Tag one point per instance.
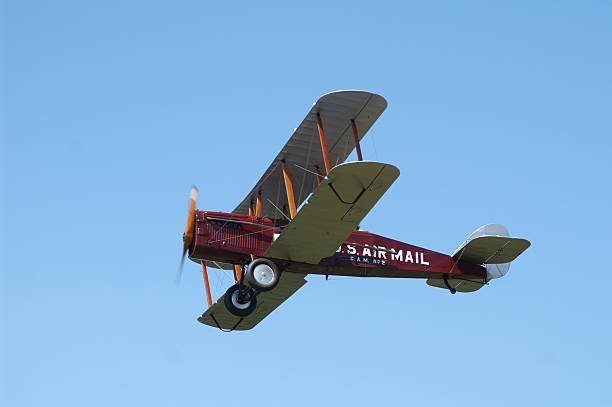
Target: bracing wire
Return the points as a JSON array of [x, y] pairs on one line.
[[281, 212], [305, 173]]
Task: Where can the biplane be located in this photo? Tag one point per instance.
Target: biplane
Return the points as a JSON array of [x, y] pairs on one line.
[[302, 217]]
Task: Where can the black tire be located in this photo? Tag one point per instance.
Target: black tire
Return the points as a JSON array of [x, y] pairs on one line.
[[262, 280], [230, 299]]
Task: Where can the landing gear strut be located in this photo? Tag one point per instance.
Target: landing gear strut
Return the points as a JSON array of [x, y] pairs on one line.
[[451, 289], [261, 275]]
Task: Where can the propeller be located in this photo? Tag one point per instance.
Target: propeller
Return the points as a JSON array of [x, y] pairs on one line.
[[189, 229]]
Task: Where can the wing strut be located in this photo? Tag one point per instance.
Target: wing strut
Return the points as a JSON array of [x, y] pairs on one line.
[[258, 206], [205, 273], [319, 175], [356, 136], [289, 189], [323, 145], [237, 272]]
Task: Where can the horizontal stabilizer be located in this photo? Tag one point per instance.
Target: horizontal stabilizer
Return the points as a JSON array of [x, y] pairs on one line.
[[333, 211], [492, 246], [267, 302], [491, 249], [462, 285]]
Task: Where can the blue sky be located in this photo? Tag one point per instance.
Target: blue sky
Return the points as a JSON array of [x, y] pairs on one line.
[[498, 112]]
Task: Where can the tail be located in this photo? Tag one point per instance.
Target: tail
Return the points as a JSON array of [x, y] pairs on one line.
[[490, 246]]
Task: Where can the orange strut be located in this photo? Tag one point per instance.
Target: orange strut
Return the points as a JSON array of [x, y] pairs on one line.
[[359, 157], [319, 175], [289, 189], [258, 205], [206, 284], [323, 145], [237, 272], [251, 209]]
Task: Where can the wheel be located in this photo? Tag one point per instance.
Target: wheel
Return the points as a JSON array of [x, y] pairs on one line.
[[235, 305], [262, 274]]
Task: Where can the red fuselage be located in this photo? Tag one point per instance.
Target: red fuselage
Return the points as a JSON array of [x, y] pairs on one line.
[[233, 238]]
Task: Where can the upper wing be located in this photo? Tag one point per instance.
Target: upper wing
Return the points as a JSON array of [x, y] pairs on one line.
[[333, 211], [302, 153], [267, 301]]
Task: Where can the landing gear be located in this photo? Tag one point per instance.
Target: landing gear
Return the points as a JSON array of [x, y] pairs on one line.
[[262, 274], [241, 299], [240, 302]]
